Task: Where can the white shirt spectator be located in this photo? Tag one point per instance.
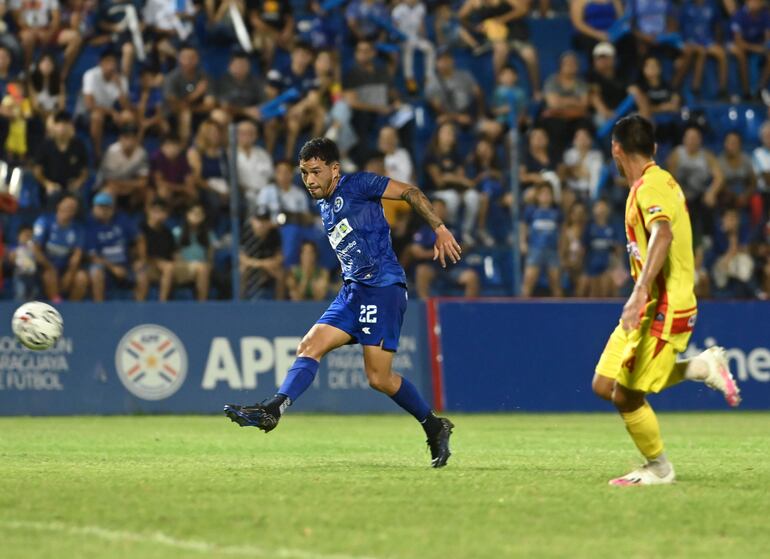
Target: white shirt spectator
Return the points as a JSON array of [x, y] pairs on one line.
[[274, 200], [255, 170], [118, 165], [409, 19], [398, 165], [106, 93], [586, 183], [760, 159], [35, 13], [164, 15]]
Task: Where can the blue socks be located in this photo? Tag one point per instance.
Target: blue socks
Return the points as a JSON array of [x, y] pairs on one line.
[[299, 378], [409, 398], [303, 372]]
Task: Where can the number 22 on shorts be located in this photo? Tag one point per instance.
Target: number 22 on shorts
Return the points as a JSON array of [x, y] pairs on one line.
[[368, 314]]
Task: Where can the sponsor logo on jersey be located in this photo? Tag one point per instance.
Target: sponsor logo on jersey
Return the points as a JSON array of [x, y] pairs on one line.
[[652, 210], [151, 362], [338, 203], [365, 330], [339, 232]]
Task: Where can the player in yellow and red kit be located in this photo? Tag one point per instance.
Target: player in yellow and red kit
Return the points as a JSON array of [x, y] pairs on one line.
[[657, 320]]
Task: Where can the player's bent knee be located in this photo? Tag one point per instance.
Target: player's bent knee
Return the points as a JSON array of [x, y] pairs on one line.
[[626, 400], [602, 387]]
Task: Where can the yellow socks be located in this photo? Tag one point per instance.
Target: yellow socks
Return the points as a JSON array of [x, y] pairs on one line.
[[642, 425]]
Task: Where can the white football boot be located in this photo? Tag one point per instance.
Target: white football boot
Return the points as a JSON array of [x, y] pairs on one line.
[[643, 476], [719, 376]]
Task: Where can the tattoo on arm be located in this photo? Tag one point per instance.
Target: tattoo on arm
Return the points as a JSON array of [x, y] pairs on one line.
[[420, 204]]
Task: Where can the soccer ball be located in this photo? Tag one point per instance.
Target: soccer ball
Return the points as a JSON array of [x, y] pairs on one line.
[[37, 325]]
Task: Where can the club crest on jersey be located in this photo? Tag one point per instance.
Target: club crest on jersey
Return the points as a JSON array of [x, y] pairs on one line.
[[652, 210], [338, 203]]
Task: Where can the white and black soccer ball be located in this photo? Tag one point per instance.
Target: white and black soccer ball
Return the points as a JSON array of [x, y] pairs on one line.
[[37, 325]]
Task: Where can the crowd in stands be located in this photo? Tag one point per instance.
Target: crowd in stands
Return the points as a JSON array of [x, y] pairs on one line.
[[120, 114]]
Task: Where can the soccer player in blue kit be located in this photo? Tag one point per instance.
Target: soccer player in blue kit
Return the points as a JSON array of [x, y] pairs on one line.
[[369, 308]]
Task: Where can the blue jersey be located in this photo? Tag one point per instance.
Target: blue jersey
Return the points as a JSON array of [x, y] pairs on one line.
[[697, 21], [543, 226], [58, 242], [111, 240], [600, 241], [752, 27], [358, 233]]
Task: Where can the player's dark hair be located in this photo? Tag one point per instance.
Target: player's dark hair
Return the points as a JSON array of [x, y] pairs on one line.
[[320, 148], [171, 138], [635, 134], [62, 116], [286, 162]]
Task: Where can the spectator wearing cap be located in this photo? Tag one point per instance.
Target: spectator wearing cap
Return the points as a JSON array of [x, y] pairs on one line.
[[607, 88], [125, 170], [261, 259], [255, 166], [455, 96], [104, 94], [61, 164], [272, 26], [186, 90], [110, 237], [751, 33], [239, 92], [58, 245], [171, 175], [566, 104], [307, 110]]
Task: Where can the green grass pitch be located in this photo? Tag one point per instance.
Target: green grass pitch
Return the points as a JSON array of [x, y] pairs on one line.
[[335, 487]]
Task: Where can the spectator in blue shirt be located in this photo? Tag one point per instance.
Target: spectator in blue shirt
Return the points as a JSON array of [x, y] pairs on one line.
[[699, 27], [59, 251], [306, 110], [601, 242], [109, 239], [427, 270], [652, 21], [539, 240], [362, 17], [751, 34]]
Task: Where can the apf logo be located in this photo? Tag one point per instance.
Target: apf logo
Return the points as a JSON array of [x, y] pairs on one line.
[[151, 362]]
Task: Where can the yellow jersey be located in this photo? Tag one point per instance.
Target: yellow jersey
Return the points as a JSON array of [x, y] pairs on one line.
[[672, 307]]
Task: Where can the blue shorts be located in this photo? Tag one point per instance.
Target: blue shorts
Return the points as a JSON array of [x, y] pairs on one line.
[[371, 315], [543, 258]]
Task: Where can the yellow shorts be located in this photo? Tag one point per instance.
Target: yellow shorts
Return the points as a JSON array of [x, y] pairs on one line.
[[638, 360]]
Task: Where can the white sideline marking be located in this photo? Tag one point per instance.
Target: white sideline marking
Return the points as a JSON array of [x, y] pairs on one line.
[[164, 539]]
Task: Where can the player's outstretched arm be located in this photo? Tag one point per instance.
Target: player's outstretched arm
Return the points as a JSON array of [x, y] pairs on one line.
[[661, 237], [446, 246]]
